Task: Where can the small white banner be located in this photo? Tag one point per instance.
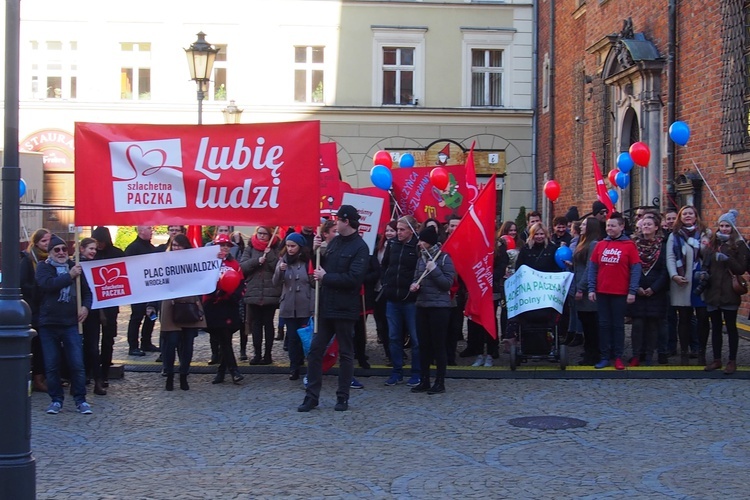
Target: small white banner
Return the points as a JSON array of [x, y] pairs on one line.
[[152, 277], [528, 290], [369, 209]]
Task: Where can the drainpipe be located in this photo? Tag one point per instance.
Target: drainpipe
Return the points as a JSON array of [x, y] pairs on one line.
[[534, 100], [671, 98], [552, 69]]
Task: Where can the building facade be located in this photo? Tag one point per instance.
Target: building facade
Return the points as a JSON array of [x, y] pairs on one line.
[[400, 76]]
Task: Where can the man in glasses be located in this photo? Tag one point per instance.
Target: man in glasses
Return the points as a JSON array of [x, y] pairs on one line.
[[599, 210], [140, 246], [59, 316]]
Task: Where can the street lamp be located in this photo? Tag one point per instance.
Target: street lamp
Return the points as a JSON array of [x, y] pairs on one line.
[[201, 56], [232, 114]]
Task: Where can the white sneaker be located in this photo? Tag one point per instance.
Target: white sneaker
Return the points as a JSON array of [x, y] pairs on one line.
[[479, 361], [488, 361]]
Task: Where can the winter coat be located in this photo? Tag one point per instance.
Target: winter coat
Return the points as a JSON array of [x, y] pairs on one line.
[[222, 309], [434, 290], [540, 257], [345, 263], [719, 293], [167, 322], [29, 289], [139, 246], [297, 294], [260, 290], [681, 296], [398, 266], [581, 280], [51, 310], [657, 280]]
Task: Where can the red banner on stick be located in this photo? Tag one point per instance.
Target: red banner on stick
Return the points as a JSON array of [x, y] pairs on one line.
[[186, 174], [416, 196]]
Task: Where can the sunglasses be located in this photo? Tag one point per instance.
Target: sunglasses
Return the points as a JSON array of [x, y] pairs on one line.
[[60, 250]]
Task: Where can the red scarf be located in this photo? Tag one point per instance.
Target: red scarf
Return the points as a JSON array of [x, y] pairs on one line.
[[257, 244]]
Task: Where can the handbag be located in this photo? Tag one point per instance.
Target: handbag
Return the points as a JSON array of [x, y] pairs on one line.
[[186, 312], [739, 285]]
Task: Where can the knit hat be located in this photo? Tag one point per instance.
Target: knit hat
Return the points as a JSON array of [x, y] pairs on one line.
[[730, 217], [429, 235], [572, 214], [296, 238], [55, 241], [597, 207]]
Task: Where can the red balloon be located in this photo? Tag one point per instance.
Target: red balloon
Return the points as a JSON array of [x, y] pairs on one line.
[[640, 154], [510, 243], [552, 190], [439, 178], [382, 158], [230, 280], [612, 176]]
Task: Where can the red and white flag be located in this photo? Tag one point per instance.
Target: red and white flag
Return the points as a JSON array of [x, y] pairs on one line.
[[601, 189], [472, 248], [471, 176]]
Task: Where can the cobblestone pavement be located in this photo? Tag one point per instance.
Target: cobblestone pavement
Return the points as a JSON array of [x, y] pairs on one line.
[[643, 438]]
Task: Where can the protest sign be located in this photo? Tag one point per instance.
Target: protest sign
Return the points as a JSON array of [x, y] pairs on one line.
[[369, 209], [528, 290]]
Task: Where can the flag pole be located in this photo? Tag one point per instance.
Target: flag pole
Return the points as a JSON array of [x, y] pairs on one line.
[[426, 272], [78, 279], [317, 287]]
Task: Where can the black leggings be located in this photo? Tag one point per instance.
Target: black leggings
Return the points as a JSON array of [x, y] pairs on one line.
[[685, 325], [262, 321], [730, 318], [432, 329]]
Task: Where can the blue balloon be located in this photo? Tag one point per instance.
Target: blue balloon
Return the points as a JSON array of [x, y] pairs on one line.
[[561, 255], [613, 196], [381, 176], [406, 161], [622, 180], [624, 162], [679, 132], [21, 188]]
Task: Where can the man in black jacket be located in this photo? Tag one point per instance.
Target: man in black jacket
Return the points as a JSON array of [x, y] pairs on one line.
[[399, 265], [140, 246], [343, 270]]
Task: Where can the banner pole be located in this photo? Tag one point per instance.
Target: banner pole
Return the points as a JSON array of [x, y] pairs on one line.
[[317, 288], [78, 279]]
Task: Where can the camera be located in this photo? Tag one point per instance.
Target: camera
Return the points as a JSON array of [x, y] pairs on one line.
[[702, 278]]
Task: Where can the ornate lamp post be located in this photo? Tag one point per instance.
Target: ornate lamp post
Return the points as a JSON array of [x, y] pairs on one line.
[[232, 114], [201, 56], [17, 467]]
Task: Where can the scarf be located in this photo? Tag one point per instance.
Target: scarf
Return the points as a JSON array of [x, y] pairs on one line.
[[61, 269], [257, 244], [37, 255], [430, 253], [685, 237], [649, 251]]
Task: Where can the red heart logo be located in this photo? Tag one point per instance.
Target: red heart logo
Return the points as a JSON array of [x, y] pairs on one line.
[[145, 163], [109, 274]]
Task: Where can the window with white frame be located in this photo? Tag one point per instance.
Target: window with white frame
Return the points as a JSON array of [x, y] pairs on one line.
[[309, 74], [218, 85], [486, 77], [398, 66], [487, 66], [54, 70], [135, 71]]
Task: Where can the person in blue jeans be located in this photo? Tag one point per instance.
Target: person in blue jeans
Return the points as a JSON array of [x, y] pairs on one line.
[[399, 264], [59, 316]]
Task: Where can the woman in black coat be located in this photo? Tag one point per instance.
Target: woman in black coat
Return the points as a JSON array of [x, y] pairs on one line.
[[538, 252], [651, 299]]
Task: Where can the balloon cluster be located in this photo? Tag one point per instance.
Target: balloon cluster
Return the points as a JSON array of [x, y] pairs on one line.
[[380, 174], [638, 154]]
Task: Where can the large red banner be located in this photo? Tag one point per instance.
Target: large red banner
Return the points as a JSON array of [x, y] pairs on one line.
[[416, 196], [186, 174]]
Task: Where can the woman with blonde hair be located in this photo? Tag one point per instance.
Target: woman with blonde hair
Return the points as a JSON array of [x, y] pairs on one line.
[[538, 252], [36, 252]]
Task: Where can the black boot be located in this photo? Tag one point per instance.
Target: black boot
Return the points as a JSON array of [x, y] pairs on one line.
[[342, 404], [243, 355], [267, 358], [184, 383], [308, 404], [237, 377], [577, 340], [170, 382], [423, 386], [438, 387], [280, 333], [219, 378], [99, 388], [256, 360]]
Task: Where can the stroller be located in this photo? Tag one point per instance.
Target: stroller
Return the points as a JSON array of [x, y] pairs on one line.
[[537, 338]]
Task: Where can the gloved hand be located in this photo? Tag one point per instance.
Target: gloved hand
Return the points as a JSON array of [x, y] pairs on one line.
[[721, 257]]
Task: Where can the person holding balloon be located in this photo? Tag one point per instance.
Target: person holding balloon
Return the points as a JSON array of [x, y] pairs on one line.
[[222, 309], [613, 276], [297, 296]]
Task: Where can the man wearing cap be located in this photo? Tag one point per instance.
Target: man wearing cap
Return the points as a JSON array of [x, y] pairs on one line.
[[59, 316], [343, 270], [599, 210]]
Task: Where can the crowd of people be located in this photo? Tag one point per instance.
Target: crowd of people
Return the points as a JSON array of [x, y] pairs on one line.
[[671, 277]]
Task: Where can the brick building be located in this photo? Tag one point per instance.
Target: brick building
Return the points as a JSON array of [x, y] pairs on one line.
[[606, 80]]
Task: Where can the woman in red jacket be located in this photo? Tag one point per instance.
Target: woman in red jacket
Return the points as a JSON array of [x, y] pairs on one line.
[[614, 274]]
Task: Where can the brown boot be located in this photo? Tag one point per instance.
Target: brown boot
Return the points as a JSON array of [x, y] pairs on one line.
[[99, 388], [714, 365], [731, 367], [39, 383]]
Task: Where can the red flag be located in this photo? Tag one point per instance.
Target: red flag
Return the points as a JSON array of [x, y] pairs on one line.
[[195, 236], [472, 248], [471, 176], [601, 189]]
